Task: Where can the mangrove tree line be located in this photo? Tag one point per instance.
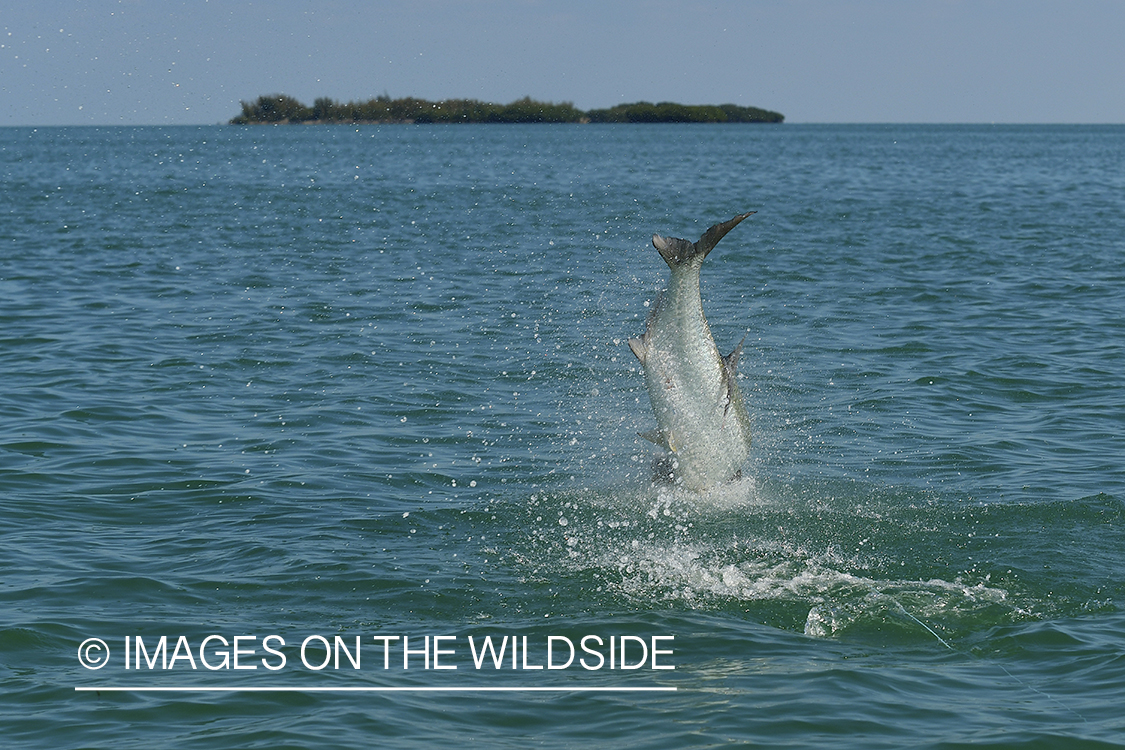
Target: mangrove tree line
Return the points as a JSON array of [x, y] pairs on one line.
[[279, 108]]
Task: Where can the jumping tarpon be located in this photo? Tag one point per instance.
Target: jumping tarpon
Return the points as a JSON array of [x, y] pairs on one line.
[[700, 416]]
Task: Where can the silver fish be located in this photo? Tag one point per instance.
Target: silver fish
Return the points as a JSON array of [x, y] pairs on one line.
[[700, 416]]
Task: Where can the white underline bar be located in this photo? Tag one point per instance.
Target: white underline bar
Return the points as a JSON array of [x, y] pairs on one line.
[[450, 689]]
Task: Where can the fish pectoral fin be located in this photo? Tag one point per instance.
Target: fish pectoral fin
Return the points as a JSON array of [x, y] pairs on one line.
[[730, 372], [730, 362], [639, 348], [728, 400], [659, 437]]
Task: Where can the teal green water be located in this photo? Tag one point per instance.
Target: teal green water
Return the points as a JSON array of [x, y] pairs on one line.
[[331, 381]]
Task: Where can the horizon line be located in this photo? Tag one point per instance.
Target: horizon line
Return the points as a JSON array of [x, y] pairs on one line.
[[385, 689], [596, 124]]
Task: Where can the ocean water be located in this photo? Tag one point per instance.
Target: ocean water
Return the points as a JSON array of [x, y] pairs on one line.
[[299, 386]]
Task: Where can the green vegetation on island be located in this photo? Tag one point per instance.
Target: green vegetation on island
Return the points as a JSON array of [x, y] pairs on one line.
[[672, 112], [279, 109]]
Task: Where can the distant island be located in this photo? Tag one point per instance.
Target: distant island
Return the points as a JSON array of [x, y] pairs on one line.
[[280, 109]]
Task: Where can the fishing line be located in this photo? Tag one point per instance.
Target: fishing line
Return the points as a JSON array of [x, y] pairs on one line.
[[903, 609], [945, 643]]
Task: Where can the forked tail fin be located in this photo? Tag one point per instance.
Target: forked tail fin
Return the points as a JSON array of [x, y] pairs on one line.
[[675, 251], [712, 236]]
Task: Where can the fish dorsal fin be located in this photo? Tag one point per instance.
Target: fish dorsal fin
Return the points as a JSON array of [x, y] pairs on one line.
[[712, 236]]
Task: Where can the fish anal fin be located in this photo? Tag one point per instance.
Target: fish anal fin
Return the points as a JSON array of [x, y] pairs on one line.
[[639, 348]]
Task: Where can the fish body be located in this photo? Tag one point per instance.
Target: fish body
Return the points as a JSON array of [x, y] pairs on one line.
[[700, 415]]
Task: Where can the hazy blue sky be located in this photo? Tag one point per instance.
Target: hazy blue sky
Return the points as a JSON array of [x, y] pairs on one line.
[[137, 62]]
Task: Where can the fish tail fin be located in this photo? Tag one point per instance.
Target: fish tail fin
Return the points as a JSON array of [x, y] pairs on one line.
[[676, 251], [673, 250], [712, 236]]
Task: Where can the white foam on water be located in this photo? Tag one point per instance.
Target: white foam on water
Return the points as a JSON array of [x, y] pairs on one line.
[[723, 549]]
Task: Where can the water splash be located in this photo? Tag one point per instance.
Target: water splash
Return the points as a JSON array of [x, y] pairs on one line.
[[819, 558]]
